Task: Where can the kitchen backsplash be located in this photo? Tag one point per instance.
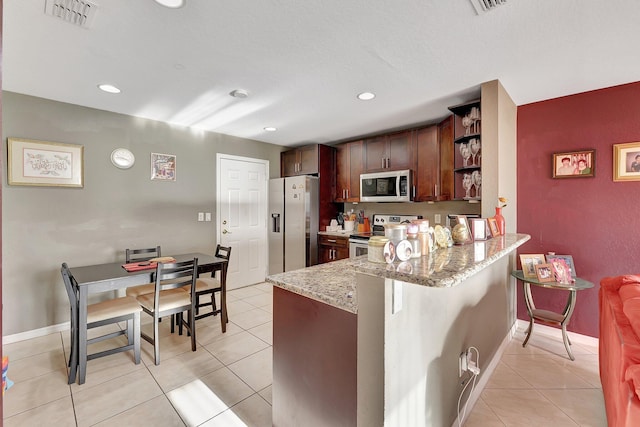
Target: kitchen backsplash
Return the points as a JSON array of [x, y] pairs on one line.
[[427, 210]]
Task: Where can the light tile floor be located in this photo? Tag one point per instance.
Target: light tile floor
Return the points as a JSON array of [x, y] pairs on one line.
[[227, 381]]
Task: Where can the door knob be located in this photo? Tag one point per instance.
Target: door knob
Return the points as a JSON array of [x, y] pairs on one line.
[[225, 231], [224, 222]]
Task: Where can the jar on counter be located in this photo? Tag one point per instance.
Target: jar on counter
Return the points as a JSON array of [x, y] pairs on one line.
[[375, 251], [426, 242], [395, 232], [416, 247], [423, 225]]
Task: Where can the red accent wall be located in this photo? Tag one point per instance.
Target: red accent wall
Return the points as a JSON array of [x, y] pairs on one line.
[[595, 220]]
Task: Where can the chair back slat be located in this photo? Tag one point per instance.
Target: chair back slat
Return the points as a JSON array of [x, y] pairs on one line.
[[134, 255], [223, 252], [175, 275]]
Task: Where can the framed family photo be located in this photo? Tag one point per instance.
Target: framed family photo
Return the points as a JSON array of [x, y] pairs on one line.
[[41, 163], [626, 161], [544, 273], [567, 259], [574, 164], [493, 226], [529, 262]]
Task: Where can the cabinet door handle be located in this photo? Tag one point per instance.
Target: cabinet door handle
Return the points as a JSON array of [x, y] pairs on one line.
[[414, 191], [332, 241], [347, 190], [387, 162], [382, 162]]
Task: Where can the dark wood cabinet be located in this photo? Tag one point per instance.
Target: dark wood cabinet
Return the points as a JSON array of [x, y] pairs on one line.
[[445, 140], [332, 248], [300, 161], [389, 152], [426, 177], [348, 170]]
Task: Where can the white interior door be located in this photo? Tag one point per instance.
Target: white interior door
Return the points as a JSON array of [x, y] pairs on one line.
[[242, 217]]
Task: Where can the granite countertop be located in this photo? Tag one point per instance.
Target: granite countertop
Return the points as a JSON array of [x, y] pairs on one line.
[[341, 233], [335, 283]]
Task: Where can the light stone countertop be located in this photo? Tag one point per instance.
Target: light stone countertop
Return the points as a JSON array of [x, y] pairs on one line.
[[341, 233], [335, 283]]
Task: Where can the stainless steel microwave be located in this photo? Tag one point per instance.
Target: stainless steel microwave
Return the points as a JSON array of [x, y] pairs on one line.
[[391, 186]]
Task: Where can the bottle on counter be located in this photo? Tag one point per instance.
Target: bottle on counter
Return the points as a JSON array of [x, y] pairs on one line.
[[416, 245]]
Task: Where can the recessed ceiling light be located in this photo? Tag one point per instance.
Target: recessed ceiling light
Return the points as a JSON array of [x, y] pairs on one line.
[[173, 4], [239, 93], [270, 129], [109, 88], [366, 96]]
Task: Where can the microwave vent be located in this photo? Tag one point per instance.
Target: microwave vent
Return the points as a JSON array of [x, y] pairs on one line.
[[484, 6], [77, 12]]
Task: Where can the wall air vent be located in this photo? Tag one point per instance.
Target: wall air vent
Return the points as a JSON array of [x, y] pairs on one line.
[[484, 6], [77, 12]]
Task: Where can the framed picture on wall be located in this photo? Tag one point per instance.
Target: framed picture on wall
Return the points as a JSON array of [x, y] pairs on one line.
[[626, 161], [163, 167], [574, 164], [47, 164]]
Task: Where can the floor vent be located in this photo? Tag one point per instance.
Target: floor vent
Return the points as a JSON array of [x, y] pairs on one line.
[[484, 6], [76, 12]]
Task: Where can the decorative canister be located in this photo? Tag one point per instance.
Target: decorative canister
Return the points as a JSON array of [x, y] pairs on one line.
[[412, 228], [426, 242], [376, 249], [403, 250], [395, 232], [423, 225], [416, 247]]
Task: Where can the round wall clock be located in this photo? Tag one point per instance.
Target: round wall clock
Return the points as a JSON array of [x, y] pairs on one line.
[[122, 158]]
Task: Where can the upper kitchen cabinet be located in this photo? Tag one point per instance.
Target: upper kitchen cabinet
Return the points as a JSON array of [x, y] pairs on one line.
[[432, 176], [467, 151], [300, 161], [348, 170], [389, 152]]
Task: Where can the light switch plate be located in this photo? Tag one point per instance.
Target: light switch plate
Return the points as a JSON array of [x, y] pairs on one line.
[[437, 219], [207, 216], [200, 216]]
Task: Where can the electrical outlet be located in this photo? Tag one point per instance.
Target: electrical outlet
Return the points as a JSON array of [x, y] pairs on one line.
[[437, 218], [463, 362]]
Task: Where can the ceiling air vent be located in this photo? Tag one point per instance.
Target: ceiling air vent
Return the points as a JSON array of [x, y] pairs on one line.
[[77, 12], [483, 6]]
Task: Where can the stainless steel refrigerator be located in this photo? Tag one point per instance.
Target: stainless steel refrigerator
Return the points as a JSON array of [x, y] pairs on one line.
[[293, 228]]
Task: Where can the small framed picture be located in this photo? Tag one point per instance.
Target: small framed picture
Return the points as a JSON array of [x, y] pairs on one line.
[[163, 167], [626, 162], [544, 273], [493, 227], [479, 228], [567, 259], [462, 219], [561, 272], [574, 164], [529, 262]]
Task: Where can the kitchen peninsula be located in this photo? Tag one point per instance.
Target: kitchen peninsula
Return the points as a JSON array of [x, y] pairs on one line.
[[358, 343]]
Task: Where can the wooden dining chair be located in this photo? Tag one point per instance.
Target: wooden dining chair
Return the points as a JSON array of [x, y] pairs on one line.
[[141, 255], [173, 287], [211, 285], [100, 314]]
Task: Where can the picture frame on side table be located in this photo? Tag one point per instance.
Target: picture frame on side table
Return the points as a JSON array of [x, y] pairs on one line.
[[544, 273], [163, 167], [561, 272], [46, 164], [574, 164], [626, 162], [568, 259], [493, 227], [529, 262], [479, 228]]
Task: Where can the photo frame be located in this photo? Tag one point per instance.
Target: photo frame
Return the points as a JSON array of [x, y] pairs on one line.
[[479, 228], [163, 167], [43, 163], [561, 272], [568, 260], [462, 219], [544, 273], [529, 262], [626, 162], [493, 227], [574, 164]]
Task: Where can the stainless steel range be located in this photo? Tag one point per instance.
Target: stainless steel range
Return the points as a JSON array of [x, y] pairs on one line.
[[359, 243]]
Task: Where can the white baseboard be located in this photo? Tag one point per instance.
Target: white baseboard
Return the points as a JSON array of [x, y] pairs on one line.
[[35, 333]]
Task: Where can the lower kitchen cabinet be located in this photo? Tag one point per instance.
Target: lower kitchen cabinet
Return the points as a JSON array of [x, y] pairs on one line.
[[332, 248]]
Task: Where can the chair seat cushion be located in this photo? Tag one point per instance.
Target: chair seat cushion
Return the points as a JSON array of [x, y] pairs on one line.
[[207, 284], [112, 308], [136, 291], [169, 299]]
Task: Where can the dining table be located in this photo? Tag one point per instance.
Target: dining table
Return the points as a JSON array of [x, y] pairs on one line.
[[93, 279]]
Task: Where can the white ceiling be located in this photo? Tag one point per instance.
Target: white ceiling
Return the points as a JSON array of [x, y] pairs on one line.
[[304, 61]]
